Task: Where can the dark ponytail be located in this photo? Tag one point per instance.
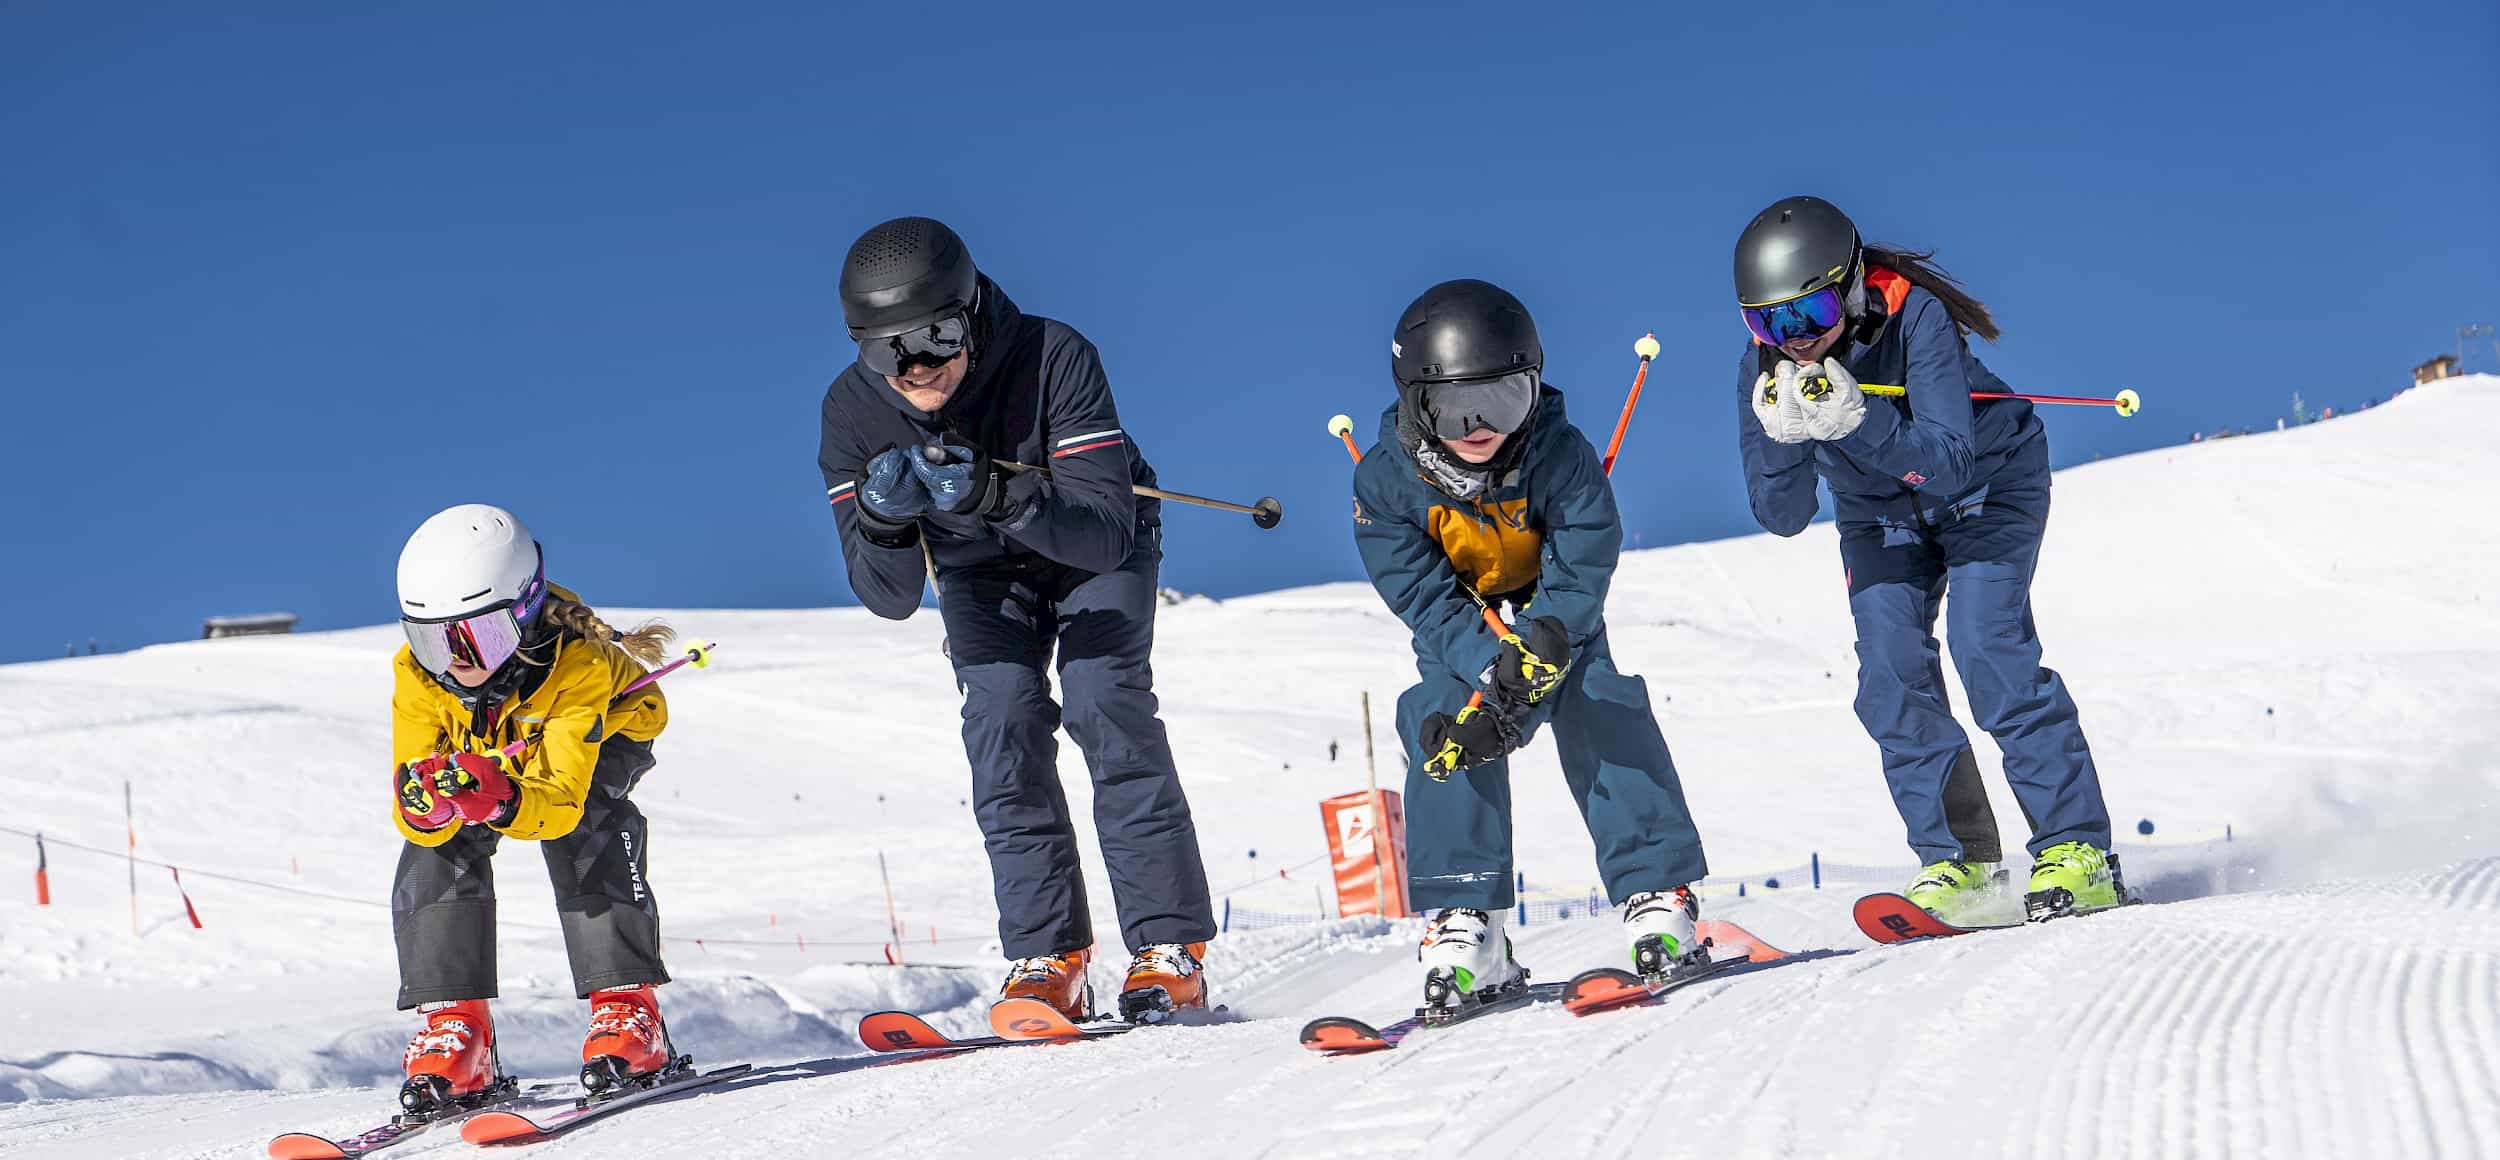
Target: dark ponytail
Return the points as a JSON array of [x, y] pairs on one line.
[[1918, 266]]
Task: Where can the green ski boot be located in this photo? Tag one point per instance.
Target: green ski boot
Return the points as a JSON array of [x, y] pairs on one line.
[[1953, 890], [2072, 878]]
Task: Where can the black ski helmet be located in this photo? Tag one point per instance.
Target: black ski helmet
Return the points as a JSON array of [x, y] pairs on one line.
[[1799, 245], [1463, 329], [905, 274]]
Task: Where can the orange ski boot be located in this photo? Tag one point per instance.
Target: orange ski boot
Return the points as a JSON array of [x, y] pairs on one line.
[[627, 1040], [1058, 980], [452, 1061], [1164, 980]]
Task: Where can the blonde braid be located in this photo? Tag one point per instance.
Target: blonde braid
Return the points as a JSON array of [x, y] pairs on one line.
[[648, 642]]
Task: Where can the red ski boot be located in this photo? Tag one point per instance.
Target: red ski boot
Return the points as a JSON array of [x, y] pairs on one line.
[[451, 1062], [627, 1040]]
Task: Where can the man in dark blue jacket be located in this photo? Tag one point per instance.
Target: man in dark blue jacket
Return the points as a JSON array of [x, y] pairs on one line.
[[1480, 493], [979, 446]]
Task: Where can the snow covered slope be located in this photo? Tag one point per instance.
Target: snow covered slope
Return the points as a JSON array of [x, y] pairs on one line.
[[2295, 636]]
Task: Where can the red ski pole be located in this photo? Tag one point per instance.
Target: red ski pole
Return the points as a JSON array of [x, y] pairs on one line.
[[1647, 348]]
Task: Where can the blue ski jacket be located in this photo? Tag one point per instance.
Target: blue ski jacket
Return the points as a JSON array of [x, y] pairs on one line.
[[1545, 536], [1914, 457]]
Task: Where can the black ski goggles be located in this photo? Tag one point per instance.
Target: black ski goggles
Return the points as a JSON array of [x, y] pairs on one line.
[[933, 345], [1501, 405]]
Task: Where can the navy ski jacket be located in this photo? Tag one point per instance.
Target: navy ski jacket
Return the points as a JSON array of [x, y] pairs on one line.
[[1036, 394], [1913, 458], [1554, 513]]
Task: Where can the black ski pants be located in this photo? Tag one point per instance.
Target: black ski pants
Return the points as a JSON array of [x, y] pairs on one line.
[[443, 900], [1004, 619]]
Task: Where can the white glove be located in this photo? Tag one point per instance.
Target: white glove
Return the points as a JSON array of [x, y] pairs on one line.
[[1777, 405], [1834, 406]]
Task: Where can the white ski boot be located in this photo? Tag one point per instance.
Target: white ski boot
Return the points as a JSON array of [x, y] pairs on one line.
[[1660, 924], [1467, 961]]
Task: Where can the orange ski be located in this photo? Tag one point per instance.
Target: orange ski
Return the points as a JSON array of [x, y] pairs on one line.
[[536, 1122], [904, 1031], [1724, 935], [1338, 1035], [1890, 918], [304, 1146], [1608, 988], [1024, 1020]]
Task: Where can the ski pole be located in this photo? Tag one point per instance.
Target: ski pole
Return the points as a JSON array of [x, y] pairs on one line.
[[1342, 427], [1647, 348], [2126, 402], [700, 656], [1266, 513]]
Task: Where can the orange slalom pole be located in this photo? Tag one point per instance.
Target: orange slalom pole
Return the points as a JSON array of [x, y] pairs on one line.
[[1647, 348]]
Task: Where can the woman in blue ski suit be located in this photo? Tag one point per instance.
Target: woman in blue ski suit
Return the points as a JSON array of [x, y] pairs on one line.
[[1481, 493], [1933, 492]]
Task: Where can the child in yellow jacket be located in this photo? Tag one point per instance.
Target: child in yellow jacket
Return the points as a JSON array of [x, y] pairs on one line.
[[506, 720]]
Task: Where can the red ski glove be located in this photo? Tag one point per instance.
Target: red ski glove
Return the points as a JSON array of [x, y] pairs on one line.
[[476, 788], [424, 808]]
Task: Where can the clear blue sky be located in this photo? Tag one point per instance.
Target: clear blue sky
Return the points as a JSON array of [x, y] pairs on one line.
[[279, 280]]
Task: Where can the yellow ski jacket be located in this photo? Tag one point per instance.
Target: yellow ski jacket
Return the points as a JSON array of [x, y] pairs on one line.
[[564, 719]]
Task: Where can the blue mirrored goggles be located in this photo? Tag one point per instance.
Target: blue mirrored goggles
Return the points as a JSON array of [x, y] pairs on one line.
[[1804, 316], [933, 345]]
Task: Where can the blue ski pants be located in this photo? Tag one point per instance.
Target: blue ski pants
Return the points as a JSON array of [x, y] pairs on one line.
[[1004, 620], [1980, 553], [1458, 832]]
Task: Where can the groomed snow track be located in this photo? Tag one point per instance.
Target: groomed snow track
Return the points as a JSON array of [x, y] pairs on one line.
[[2342, 1020]]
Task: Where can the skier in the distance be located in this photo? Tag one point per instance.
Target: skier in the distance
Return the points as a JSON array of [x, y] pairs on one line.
[[953, 388], [1934, 493], [1481, 493], [504, 722]]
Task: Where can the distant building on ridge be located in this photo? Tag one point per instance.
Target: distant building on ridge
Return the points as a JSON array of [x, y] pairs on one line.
[[264, 624], [2442, 367]]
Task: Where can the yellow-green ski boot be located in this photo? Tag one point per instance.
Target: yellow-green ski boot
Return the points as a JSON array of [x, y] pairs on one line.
[[1953, 890], [2072, 878]]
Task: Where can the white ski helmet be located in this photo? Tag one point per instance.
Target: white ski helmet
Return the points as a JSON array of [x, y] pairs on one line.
[[467, 559]]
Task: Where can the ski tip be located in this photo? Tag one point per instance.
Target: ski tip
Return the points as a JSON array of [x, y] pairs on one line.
[[900, 1031], [1602, 988], [1337, 1035], [1031, 1019], [304, 1146], [1726, 935], [497, 1127], [1891, 918]]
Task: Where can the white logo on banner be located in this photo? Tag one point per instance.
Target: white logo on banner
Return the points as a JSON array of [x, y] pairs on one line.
[[1354, 831]]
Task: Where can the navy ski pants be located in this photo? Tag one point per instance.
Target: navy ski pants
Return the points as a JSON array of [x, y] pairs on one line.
[[1458, 832], [1981, 552], [1003, 621]]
